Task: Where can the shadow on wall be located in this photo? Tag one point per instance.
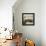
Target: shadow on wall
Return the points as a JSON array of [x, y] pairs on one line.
[[17, 4]]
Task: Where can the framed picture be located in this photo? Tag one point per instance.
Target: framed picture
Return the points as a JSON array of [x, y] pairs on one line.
[[28, 18], [13, 22]]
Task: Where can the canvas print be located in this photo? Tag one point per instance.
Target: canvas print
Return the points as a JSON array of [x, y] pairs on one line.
[[28, 18]]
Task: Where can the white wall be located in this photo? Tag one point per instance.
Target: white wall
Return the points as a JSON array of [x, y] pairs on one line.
[[6, 13], [30, 32], [43, 22]]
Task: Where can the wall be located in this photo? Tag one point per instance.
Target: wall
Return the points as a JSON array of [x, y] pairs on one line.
[[43, 22], [29, 32], [6, 13]]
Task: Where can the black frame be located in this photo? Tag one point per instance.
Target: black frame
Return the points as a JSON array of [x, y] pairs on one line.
[[28, 20]]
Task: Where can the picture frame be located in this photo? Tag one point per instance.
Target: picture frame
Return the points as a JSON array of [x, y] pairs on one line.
[[28, 18], [13, 22]]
